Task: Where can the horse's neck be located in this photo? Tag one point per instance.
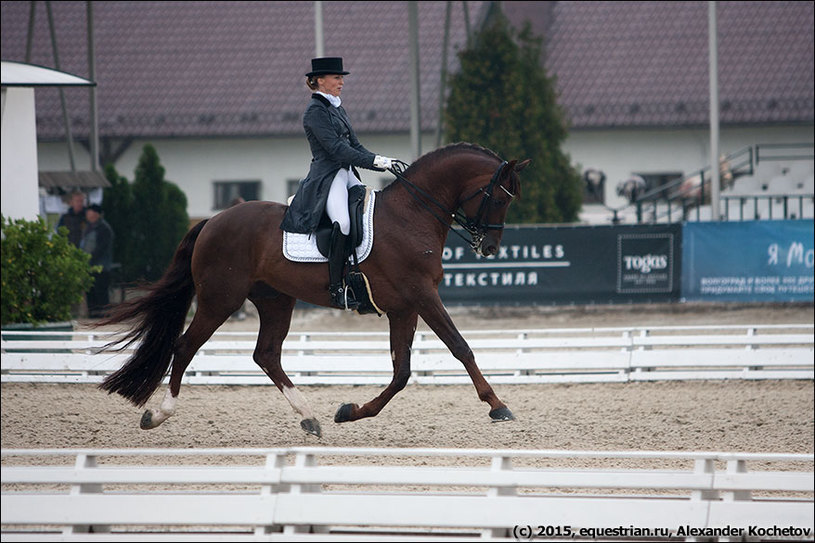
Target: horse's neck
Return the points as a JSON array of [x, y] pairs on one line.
[[415, 209]]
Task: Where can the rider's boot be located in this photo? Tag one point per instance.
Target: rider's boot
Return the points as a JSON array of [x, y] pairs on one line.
[[341, 296]]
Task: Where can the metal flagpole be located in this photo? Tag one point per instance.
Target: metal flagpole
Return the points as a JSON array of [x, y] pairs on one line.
[[319, 47], [415, 113], [714, 112]]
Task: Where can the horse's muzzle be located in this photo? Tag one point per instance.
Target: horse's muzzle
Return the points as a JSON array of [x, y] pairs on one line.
[[489, 245]]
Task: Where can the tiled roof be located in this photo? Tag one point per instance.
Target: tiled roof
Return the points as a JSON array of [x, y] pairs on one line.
[[630, 64], [236, 68]]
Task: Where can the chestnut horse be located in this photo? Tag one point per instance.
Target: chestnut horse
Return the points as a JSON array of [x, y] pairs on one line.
[[238, 254]]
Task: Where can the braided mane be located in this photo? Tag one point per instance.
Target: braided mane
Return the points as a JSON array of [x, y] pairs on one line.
[[452, 148], [444, 152]]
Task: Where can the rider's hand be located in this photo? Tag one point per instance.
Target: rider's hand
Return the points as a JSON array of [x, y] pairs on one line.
[[383, 162]]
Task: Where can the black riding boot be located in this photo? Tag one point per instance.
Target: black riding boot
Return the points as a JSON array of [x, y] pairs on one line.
[[341, 296]]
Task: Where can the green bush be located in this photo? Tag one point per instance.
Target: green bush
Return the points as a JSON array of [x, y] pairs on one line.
[[42, 273]]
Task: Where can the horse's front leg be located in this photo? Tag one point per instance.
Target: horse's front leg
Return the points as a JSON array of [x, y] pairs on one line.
[[402, 330], [437, 318]]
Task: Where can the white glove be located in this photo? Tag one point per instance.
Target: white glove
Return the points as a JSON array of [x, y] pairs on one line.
[[383, 162]]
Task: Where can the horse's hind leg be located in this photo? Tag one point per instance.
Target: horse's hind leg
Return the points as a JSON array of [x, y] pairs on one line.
[[437, 318], [402, 330], [275, 312], [203, 325]]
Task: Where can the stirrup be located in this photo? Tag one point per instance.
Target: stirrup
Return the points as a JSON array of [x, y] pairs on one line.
[[341, 300]]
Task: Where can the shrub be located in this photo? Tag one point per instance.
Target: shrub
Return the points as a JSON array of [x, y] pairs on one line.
[[42, 273]]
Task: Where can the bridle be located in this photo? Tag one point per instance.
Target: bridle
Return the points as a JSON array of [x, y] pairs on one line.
[[473, 226]]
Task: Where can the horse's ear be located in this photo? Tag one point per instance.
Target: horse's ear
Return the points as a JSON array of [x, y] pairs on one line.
[[522, 165]]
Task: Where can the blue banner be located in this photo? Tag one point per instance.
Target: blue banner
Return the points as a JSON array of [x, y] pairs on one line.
[[750, 261]]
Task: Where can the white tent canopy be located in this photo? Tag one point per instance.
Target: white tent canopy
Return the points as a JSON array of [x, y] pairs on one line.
[[18, 74], [18, 165]]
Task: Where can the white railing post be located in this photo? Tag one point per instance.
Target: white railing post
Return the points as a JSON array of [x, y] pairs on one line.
[[737, 466], [499, 464], [85, 462], [522, 337], [751, 332], [628, 348], [274, 461], [304, 460], [706, 466]]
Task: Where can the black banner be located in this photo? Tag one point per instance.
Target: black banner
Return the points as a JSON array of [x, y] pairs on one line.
[[544, 265]]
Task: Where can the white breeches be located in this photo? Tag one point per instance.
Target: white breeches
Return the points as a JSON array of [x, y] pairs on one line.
[[337, 205]]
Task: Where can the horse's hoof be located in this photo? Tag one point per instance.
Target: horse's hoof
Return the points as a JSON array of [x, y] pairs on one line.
[[311, 426], [146, 422], [501, 414], [344, 413]]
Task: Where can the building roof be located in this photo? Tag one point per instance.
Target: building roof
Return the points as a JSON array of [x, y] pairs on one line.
[[638, 64], [236, 69]]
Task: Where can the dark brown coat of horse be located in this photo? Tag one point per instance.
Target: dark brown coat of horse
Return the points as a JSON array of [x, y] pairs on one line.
[[238, 255]]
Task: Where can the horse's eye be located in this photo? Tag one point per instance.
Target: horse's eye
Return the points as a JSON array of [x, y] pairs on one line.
[[499, 203]]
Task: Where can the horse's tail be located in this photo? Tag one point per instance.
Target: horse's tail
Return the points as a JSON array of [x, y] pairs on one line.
[[159, 317]]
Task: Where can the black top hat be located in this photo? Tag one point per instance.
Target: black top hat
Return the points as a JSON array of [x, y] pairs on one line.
[[326, 66]]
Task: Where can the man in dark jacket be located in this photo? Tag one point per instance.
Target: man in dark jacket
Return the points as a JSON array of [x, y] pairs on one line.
[[98, 241], [74, 218]]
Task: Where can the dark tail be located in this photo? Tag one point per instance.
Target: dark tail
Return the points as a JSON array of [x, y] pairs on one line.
[[159, 318]]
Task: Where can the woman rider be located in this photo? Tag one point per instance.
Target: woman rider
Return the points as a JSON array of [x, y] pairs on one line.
[[335, 151]]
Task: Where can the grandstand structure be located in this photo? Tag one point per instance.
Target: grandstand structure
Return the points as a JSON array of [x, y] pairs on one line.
[[760, 182]]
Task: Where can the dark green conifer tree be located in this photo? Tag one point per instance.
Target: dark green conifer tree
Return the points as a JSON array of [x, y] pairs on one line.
[[502, 99], [160, 217], [117, 202]]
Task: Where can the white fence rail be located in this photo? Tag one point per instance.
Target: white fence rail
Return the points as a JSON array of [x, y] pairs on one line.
[[406, 494], [509, 357]]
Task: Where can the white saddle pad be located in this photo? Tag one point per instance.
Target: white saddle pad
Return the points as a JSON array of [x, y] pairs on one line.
[[303, 247]]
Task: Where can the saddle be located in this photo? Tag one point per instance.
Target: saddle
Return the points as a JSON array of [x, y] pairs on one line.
[[355, 280]]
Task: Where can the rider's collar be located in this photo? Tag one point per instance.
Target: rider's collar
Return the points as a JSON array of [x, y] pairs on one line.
[[333, 100]]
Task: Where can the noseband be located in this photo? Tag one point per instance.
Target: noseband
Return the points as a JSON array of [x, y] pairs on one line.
[[473, 226]]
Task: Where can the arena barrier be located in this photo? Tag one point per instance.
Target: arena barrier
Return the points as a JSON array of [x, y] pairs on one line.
[[342, 494], [566, 355]]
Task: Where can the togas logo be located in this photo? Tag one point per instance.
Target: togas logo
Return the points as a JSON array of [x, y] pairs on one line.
[[646, 263]]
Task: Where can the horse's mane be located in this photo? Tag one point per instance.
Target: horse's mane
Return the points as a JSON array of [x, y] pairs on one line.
[[449, 149], [446, 151]]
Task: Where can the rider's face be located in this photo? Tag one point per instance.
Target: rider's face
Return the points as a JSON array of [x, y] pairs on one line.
[[330, 84]]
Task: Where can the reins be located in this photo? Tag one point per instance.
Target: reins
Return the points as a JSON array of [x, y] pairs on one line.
[[473, 227]]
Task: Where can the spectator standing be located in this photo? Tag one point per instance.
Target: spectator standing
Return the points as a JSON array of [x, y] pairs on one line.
[[98, 242], [74, 219]]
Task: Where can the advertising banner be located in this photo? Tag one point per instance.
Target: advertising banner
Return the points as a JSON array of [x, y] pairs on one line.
[[545, 265], [749, 261]]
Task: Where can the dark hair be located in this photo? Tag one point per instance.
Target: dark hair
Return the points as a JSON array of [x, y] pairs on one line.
[[311, 82]]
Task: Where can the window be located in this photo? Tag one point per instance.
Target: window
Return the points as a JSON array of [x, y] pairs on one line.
[[594, 186], [227, 191]]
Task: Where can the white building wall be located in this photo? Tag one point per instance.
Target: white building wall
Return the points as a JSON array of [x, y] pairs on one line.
[[195, 165], [18, 163], [622, 153]]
